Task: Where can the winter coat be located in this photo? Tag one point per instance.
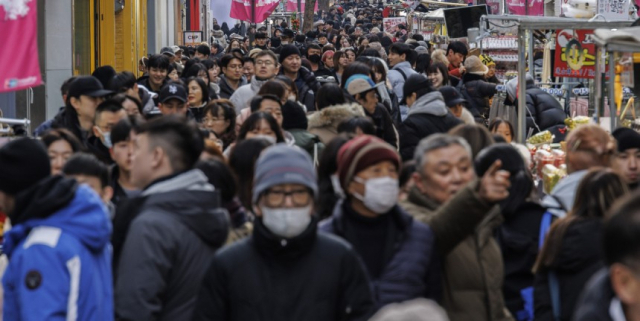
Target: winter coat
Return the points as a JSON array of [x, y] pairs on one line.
[[411, 269], [313, 276], [428, 115], [579, 258], [46, 125], [472, 263], [477, 92], [596, 299], [68, 119], [385, 129], [225, 89], [565, 192], [546, 112], [198, 112], [97, 148], [307, 141], [59, 255], [322, 71], [307, 87], [396, 78], [168, 249], [324, 123], [241, 98], [149, 101], [218, 37]]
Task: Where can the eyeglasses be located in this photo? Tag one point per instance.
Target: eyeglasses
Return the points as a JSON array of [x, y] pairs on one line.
[[299, 197], [264, 62], [234, 66]]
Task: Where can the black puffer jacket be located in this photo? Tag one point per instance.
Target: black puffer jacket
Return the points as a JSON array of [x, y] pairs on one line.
[[385, 128], [477, 91], [578, 260], [428, 115], [307, 87], [545, 111], [313, 276]]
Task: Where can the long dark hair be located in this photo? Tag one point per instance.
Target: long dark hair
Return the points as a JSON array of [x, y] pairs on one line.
[[328, 166], [439, 67], [254, 121], [203, 87], [214, 108], [597, 192], [242, 161]]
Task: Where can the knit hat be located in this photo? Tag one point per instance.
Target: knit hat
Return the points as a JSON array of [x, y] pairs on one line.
[[414, 83], [421, 50], [512, 86], [627, 138], [23, 163], [282, 164], [473, 65], [287, 51], [487, 61], [106, 73], [361, 152]]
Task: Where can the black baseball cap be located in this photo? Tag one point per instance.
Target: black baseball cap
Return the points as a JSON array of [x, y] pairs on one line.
[[288, 33], [261, 35], [413, 84], [451, 96], [87, 86], [167, 51], [173, 91]]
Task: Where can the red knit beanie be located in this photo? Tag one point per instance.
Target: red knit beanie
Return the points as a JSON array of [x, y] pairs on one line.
[[362, 152]]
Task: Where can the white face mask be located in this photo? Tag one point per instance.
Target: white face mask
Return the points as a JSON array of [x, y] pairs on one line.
[[266, 137], [286, 222], [380, 194], [292, 97]]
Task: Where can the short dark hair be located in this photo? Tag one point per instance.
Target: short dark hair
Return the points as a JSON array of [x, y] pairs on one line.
[[64, 89], [322, 35], [226, 59], [257, 101], [402, 49], [159, 61], [180, 139], [247, 59], [311, 46], [621, 232], [458, 47], [53, 135], [89, 165], [351, 124], [204, 50], [121, 98], [221, 177], [330, 95], [121, 132], [109, 105], [122, 82]]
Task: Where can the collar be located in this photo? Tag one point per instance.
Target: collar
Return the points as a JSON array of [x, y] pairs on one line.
[[416, 197], [615, 310], [272, 245]]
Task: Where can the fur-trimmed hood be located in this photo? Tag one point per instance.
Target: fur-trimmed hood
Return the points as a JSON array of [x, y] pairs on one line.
[[218, 33], [332, 116]]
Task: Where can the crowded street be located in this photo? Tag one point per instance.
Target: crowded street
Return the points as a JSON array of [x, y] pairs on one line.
[[320, 160]]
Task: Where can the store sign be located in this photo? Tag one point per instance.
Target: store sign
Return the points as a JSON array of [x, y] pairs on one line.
[[391, 24], [243, 9], [526, 7], [614, 9], [19, 67], [575, 54], [192, 38]]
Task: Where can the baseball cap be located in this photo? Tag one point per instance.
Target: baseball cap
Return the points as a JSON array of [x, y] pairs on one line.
[[261, 35], [167, 51], [176, 49], [288, 33], [451, 96], [414, 83], [87, 86], [172, 91], [359, 83]]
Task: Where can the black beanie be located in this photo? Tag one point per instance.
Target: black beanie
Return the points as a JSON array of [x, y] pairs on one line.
[[293, 116], [627, 138], [23, 163], [287, 51], [104, 74]]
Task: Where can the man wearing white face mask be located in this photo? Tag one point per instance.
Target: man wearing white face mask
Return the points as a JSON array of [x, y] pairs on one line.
[[108, 114], [281, 271], [397, 251]]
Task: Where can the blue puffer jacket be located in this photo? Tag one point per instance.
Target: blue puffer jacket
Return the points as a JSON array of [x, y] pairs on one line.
[[413, 270], [60, 257]]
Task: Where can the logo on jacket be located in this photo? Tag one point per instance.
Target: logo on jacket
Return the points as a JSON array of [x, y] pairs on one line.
[[33, 280]]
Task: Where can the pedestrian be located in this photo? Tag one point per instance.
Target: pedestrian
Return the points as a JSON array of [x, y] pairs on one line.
[[456, 104], [248, 68], [291, 66], [400, 55], [476, 90], [627, 158], [64, 91], [340, 63], [333, 108], [571, 253], [491, 74], [158, 67], [198, 97], [60, 145], [266, 69], [295, 123], [276, 260], [58, 248], [220, 117], [120, 172], [328, 181], [172, 100], [243, 163], [173, 236], [476, 135], [504, 128], [456, 54], [107, 114], [125, 82], [88, 169], [231, 78], [428, 114]]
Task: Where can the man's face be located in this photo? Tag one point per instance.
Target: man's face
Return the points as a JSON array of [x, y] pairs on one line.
[[170, 57], [271, 107], [455, 59], [201, 56], [86, 106], [106, 121], [292, 64], [369, 100], [395, 58], [141, 161], [627, 163], [266, 67], [261, 42], [285, 40], [248, 69], [313, 51], [446, 171], [173, 106], [233, 70], [285, 196], [378, 170], [105, 192], [121, 154], [157, 76], [322, 40], [328, 27]]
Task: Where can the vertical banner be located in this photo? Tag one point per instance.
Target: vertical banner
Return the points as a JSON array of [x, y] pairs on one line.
[[292, 6], [526, 7], [241, 9], [575, 54], [19, 67]]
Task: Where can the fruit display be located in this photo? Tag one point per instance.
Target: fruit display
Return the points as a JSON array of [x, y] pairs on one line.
[[544, 137], [551, 175], [574, 122]]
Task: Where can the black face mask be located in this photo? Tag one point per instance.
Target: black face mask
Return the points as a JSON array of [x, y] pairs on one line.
[[314, 58]]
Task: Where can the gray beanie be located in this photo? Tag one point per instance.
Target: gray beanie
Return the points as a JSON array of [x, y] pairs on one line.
[[282, 164]]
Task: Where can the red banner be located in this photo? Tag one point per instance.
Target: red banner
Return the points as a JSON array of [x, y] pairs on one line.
[[525, 7], [575, 54], [19, 67], [292, 6], [241, 9]]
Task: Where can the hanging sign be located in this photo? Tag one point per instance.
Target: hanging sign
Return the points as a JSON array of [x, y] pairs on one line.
[[575, 54], [241, 9], [19, 67]]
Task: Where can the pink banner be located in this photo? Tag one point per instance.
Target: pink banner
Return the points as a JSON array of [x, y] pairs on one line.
[[19, 67], [241, 9], [535, 7], [292, 6]]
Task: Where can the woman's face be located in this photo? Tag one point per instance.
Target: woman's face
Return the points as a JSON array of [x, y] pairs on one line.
[[217, 124], [195, 94], [329, 61], [344, 61], [378, 76], [214, 72], [203, 75], [503, 129], [262, 128], [130, 107], [364, 42], [351, 56], [492, 71], [235, 45], [436, 79], [59, 152], [246, 43], [345, 43], [173, 75]]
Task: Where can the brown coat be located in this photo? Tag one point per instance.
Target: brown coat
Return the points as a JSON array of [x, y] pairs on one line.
[[473, 268], [324, 123]]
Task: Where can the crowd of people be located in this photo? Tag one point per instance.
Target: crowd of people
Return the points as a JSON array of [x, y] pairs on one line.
[[347, 173]]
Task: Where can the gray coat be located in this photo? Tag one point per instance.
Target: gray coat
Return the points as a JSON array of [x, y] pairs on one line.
[[396, 78], [168, 249]]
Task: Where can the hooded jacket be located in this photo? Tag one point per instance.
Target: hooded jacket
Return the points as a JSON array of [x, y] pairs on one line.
[[59, 255], [307, 87], [396, 78], [477, 91], [168, 248], [313, 276], [563, 194], [428, 115], [595, 301], [225, 89], [243, 95], [68, 119], [218, 37], [324, 123]]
